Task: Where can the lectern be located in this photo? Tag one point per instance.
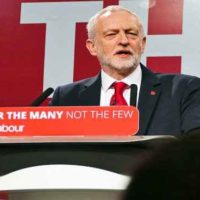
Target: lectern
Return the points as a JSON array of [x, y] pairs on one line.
[[61, 166]]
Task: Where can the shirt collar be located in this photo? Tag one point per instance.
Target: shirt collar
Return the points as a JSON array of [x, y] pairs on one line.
[[134, 78]]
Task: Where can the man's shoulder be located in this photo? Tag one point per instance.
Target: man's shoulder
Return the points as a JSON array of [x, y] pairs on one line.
[[164, 76], [177, 78], [180, 82], [78, 84], [168, 78], [174, 75], [69, 94]]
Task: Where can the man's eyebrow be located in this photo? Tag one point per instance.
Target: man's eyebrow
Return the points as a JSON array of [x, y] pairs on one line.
[[111, 30], [131, 29], [117, 30]]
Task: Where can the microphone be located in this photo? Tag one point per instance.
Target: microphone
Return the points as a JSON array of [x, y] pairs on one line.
[[42, 97], [133, 99]]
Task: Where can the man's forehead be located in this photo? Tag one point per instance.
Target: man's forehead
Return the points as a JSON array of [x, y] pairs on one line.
[[106, 14], [117, 18], [109, 13]]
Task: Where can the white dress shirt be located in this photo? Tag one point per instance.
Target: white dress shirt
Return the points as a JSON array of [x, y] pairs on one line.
[[107, 92]]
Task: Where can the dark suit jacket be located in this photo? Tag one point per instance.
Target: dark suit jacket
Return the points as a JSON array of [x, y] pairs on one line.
[[169, 104]]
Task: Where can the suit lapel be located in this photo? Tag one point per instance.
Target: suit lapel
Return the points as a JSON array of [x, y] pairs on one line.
[[149, 95], [90, 94]]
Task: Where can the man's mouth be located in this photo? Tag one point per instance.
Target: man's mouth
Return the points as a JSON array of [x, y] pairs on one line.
[[123, 53]]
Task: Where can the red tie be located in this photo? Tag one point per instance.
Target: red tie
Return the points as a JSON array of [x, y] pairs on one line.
[[117, 98]]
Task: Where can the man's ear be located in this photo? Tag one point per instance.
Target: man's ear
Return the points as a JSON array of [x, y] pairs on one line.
[[143, 44], [91, 47]]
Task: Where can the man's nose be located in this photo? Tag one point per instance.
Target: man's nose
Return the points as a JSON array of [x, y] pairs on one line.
[[123, 40]]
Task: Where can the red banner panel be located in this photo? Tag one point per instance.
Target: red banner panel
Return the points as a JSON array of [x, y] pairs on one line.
[[69, 121], [165, 64], [166, 17]]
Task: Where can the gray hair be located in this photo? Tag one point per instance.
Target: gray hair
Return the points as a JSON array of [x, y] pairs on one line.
[[93, 20]]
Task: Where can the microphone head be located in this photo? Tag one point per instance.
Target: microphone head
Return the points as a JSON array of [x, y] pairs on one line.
[[42, 97], [48, 91]]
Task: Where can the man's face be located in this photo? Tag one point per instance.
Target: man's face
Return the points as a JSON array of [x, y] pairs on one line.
[[118, 43]]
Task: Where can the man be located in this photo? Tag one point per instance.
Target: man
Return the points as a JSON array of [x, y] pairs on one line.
[[168, 104]]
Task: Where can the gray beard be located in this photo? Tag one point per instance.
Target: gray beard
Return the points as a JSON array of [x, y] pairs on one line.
[[120, 63]]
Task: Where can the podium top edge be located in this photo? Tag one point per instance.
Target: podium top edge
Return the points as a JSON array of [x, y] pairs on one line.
[[81, 139]]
